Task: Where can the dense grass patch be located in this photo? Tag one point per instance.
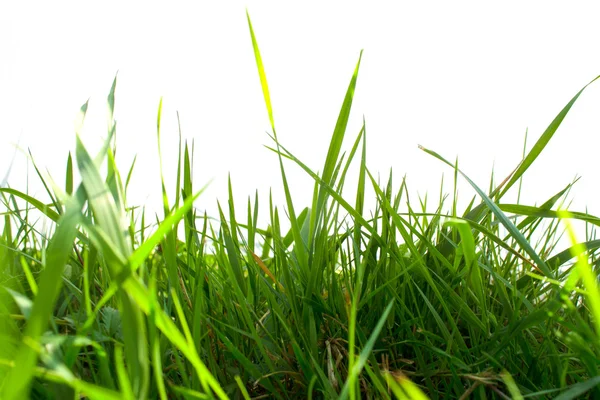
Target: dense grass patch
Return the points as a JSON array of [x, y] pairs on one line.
[[441, 303]]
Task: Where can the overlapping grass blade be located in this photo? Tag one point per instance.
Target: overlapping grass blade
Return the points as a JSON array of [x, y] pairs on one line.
[[521, 240], [49, 287]]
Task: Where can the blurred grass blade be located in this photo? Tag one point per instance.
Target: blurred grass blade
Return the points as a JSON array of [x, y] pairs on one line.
[[577, 390], [44, 208], [589, 278], [339, 131], [69, 176], [124, 383], [403, 388], [511, 385]]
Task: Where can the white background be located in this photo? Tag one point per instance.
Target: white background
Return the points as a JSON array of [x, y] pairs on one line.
[[461, 78]]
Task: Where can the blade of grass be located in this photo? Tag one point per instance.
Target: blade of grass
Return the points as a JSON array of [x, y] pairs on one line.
[[540, 264], [365, 353], [541, 143], [590, 281], [50, 283]]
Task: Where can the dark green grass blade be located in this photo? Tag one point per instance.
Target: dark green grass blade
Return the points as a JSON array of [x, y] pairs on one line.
[[577, 390]]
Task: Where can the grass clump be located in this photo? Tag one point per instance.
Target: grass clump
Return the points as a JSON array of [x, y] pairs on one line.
[[410, 304]]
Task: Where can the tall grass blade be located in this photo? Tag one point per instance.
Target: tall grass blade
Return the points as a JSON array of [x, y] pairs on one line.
[[541, 143]]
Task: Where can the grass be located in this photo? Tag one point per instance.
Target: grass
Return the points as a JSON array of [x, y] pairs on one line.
[[415, 304]]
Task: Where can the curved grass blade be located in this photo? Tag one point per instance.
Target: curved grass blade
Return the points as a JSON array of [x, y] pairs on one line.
[[44, 208], [559, 259], [539, 146], [521, 240]]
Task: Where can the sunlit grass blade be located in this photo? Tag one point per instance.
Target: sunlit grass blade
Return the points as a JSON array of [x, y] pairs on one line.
[[404, 389], [94, 392], [300, 247], [261, 73], [588, 277]]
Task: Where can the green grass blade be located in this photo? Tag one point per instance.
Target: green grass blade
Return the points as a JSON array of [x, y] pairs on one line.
[[261, 73], [577, 390], [50, 283], [365, 353], [166, 226], [589, 278], [541, 143], [545, 213], [521, 240], [44, 208], [69, 176], [339, 132]]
